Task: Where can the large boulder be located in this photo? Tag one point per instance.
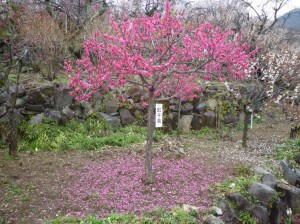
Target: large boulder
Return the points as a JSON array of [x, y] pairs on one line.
[[37, 119], [36, 108], [62, 99], [297, 158], [200, 107], [53, 114], [86, 106], [270, 180], [76, 107], [186, 108], [294, 198], [67, 114], [278, 211], [4, 97], [126, 116], [291, 175], [111, 105], [229, 215], [291, 195], [197, 122], [184, 124], [20, 102], [48, 91], [260, 171], [3, 110], [212, 103], [17, 116], [261, 192], [260, 213], [21, 91], [239, 201], [96, 100], [113, 121], [28, 112], [209, 118], [35, 98]]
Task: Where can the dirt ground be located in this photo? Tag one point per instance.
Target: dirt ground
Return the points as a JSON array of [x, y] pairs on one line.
[[31, 187]]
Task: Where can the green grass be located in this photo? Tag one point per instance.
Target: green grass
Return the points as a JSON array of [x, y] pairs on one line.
[[2, 220], [13, 189], [90, 134], [288, 150], [158, 216], [239, 184]]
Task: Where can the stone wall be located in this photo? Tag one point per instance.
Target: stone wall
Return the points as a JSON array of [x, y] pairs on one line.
[[55, 102]]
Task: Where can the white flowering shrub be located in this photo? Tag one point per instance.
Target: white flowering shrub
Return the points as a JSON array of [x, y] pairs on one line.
[[281, 75]]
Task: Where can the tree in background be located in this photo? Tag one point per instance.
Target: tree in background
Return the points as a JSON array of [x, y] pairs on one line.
[[13, 55], [163, 55], [47, 41]]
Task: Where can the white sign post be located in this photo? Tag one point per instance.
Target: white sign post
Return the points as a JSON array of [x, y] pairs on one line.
[[158, 115]]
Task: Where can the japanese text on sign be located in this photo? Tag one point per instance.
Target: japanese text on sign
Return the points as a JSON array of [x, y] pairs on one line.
[[158, 115]]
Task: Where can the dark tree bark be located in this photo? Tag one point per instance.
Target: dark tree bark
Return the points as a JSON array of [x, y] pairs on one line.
[[246, 126], [149, 145], [13, 135]]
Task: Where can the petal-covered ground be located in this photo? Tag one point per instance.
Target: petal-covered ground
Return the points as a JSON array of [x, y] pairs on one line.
[[117, 185], [43, 185]]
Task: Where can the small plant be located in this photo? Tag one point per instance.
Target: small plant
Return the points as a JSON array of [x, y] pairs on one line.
[[246, 217], [11, 157], [243, 170], [2, 220], [30, 187], [26, 198], [13, 189]]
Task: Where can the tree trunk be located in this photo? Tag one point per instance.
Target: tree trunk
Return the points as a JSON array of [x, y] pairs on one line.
[[13, 135], [150, 131], [179, 114], [246, 124]]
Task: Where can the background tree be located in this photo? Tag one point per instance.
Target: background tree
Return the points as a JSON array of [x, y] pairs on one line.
[[13, 55], [163, 55]]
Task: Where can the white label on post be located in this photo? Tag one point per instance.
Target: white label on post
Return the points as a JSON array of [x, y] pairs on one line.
[[158, 115]]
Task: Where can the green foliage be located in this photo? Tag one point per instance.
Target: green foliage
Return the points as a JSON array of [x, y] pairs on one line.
[[13, 189], [246, 217], [11, 157], [158, 216], [238, 184], [243, 170], [289, 150], [287, 220], [2, 220], [90, 134], [226, 107]]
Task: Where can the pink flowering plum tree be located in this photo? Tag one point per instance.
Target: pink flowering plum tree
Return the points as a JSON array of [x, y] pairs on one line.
[[164, 55]]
